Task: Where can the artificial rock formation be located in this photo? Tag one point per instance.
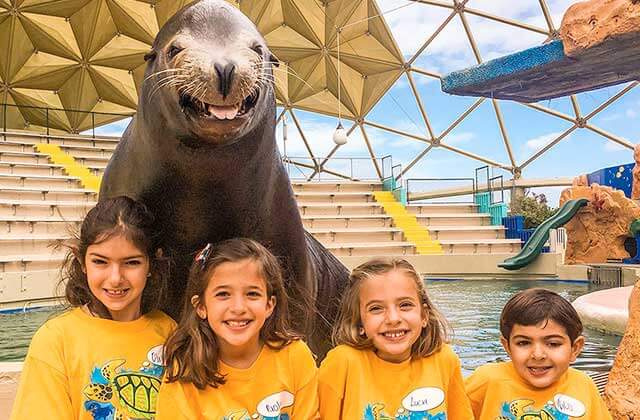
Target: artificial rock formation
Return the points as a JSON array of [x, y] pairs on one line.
[[598, 231], [635, 191], [588, 24], [622, 393]]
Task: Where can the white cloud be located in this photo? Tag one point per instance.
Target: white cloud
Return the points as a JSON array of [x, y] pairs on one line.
[[610, 146], [451, 50], [539, 142], [456, 139], [114, 129], [611, 117], [631, 113]]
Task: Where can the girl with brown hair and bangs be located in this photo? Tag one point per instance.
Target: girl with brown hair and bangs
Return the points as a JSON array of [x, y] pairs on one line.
[[391, 359], [114, 279], [234, 354]]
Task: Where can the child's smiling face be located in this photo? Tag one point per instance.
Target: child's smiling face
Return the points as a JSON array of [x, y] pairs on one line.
[[541, 353], [117, 275], [236, 306], [391, 313]]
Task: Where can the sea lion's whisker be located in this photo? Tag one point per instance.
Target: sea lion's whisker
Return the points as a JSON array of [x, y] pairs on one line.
[[166, 81], [176, 70]]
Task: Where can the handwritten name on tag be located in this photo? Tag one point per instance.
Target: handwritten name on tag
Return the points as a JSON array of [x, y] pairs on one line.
[[569, 405], [270, 406], [155, 355], [423, 399]]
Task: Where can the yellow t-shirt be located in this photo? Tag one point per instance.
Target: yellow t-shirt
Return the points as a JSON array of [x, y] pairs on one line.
[[281, 384], [497, 392], [82, 367], [357, 384]]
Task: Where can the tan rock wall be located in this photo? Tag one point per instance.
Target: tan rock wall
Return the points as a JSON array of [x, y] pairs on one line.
[[598, 231], [635, 185], [589, 23], [622, 393]]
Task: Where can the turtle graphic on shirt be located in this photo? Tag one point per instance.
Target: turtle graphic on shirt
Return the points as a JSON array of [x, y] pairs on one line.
[[129, 394], [522, 409], [375, 411]]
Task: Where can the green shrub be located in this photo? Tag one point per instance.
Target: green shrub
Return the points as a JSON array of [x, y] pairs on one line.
[[533, 207]]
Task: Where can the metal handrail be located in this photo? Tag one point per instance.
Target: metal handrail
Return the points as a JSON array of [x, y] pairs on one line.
[[46, 110], [485, 167], [295, 161], [491, 191], [382, 164], [440, 179]]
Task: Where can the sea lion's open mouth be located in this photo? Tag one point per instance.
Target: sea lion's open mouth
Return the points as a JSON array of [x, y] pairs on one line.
[[197, 108]]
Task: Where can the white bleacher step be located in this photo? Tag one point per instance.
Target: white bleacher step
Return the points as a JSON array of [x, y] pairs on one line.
[[31, 258], [371, 248], [42, 203], [348, 235], [38, 181], [38, 219], [480, 246], [356, 220], [461, 219], [47, 190], [33, 237], [44, 168], [340, 208], [430, 208], [63, 208], [38, 224], [46, 193], [39, 138], [328, 186], [462, 232], [333, 197], [20, 156], [24, 145]]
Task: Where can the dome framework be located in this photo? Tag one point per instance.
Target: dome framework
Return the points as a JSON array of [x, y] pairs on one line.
[[87, 55]]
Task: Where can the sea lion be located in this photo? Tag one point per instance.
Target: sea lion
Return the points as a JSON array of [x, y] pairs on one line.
[[201, 154]]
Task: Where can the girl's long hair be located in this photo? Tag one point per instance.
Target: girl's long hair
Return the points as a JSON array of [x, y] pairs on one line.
[[192, 352], [109, 218], [348, 327]]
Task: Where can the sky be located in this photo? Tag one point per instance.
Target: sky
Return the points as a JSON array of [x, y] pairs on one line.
[[529, 130]]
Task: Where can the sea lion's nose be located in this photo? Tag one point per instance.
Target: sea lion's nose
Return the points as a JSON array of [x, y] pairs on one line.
[[225, 77]]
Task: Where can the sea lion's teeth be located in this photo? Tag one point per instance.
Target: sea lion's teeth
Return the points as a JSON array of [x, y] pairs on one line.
[[224, 112]]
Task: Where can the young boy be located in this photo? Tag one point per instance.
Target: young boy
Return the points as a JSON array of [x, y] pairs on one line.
[[541, 333]]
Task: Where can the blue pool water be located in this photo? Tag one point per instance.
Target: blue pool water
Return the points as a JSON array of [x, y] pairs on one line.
[[471, 307]]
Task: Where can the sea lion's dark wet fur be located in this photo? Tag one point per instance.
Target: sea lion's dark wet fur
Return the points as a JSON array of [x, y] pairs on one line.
[[210, 188]]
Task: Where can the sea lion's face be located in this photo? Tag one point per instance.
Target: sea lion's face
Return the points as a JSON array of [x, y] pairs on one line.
[[211, 70]]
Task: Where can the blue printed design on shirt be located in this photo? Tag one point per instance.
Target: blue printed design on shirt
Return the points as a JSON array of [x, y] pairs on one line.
[[523, 409], [375, 411], [114, 392]]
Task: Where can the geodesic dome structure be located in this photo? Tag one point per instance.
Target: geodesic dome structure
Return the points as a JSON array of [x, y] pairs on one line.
[[87, 55]]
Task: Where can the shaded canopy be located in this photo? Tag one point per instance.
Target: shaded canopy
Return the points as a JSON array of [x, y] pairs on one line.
[[87, 55]]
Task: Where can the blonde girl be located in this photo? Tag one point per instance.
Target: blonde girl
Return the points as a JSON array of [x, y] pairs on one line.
[[89, 362], [233, 355], [391, 359]]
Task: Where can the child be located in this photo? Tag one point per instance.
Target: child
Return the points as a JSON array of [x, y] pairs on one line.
[[233, 355], [541, 333], [391, 361], [103, 357]]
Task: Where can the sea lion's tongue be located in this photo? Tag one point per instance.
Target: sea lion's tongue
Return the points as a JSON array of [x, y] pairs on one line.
[[224, 112]]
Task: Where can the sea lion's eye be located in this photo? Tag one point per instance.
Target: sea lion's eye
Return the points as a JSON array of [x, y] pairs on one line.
[[151, 55], [173, 51], [257, 48]]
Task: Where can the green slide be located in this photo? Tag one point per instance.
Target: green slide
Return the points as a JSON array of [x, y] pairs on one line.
[[534, 245]]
